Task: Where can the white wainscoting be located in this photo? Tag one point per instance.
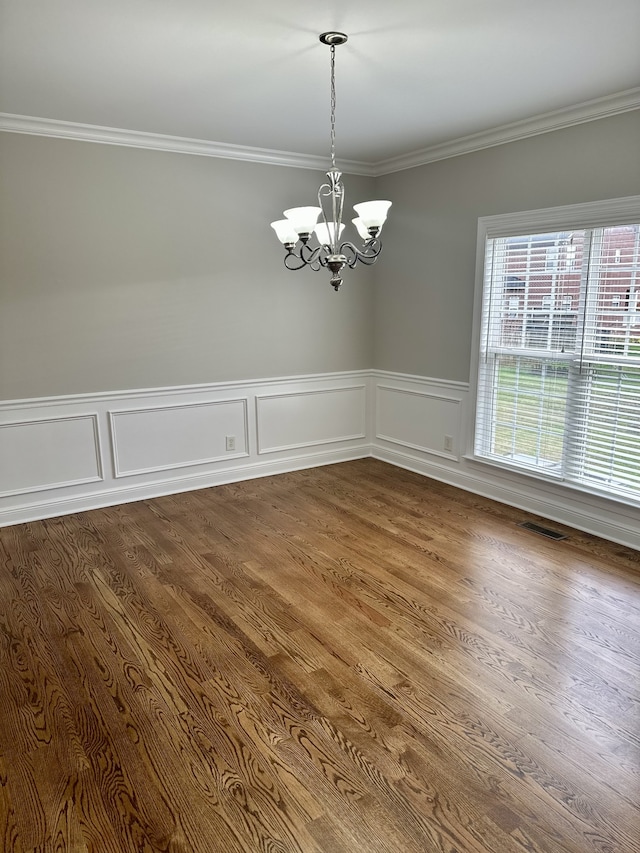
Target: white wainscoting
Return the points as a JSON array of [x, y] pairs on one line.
[[418, 419], [307, 418], [49, 453], [66, 454], [162, 438], [412, 416]]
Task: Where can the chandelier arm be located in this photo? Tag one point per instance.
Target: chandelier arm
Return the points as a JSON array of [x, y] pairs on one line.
[[370, 251], [310, 256], [367, 255], [350, 252], [367, 261], [305, 257], [289, 264]]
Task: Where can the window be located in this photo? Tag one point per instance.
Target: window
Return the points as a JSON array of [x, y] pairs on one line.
[[513, 304], [558, 381]]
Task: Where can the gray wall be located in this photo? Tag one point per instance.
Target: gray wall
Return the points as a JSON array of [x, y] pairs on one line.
[[123, 268], [425, 276]]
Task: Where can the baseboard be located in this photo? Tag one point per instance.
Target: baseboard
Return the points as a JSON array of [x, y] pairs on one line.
[[622, 529], [173, 485]]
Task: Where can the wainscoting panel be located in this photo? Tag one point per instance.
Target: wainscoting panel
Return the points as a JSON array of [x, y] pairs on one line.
[[307, 418], [166, 440], [166, 437], [421, 420], [47, 453]]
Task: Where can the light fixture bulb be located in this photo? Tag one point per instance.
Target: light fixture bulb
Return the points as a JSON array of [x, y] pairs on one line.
[[325, 232], [372, 213], [361, 228], [285, 231], [303, 219]]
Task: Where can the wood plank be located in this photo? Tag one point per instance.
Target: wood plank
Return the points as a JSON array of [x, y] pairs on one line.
[[345, 658]]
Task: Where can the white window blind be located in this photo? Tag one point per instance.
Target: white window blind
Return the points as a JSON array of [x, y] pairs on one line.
[[558, 389]]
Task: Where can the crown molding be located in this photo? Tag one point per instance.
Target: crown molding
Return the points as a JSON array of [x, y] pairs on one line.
[[610, 105], [598, 108], [175, 144]]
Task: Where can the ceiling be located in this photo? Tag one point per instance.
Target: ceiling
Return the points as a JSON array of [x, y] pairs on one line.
[[414, 73]]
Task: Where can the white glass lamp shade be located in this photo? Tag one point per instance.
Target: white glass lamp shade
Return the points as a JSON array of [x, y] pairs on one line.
[[361, 228], [325, 232], [285, 231], [303, 219], [372, 213]]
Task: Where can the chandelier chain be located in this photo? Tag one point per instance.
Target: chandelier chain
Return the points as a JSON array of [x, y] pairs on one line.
[[333, 106]]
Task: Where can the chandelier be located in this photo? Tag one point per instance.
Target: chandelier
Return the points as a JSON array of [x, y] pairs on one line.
[[297, 231]]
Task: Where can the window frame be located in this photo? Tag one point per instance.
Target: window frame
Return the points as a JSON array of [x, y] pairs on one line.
[[590, 215]]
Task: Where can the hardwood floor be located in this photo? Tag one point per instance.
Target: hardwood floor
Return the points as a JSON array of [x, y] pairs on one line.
[[350, 658]]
